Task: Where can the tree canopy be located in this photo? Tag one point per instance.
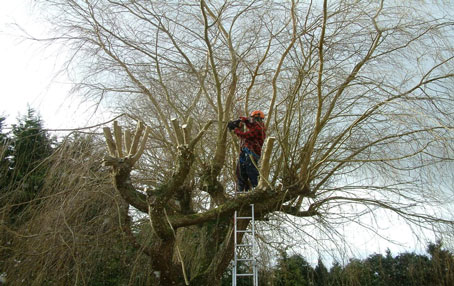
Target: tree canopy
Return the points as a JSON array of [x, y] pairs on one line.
[[357, 98]]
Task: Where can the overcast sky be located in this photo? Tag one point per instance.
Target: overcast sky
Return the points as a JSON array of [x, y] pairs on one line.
[[28, 72]]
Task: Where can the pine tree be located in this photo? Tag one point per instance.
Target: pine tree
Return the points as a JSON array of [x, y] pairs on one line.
[[29, 147], [4, 153], [3, 136], [293, 271], [321, 274], [336, 275], [442, 270]]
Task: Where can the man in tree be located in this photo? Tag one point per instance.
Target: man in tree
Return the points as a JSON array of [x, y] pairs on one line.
[[251, 149]]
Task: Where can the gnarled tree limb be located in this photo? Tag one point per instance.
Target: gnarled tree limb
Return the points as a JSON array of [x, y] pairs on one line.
[[122, 164]]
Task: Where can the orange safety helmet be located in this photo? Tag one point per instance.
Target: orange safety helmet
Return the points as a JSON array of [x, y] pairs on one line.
[[258, 113]]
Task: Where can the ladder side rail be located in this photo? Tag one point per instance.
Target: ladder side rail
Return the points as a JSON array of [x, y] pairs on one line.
[[254, 261], [234, 276]]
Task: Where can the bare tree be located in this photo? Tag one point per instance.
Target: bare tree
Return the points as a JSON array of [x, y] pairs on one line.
[[357, 97]]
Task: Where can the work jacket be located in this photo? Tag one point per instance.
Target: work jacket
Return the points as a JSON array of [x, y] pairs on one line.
[[253, 137]]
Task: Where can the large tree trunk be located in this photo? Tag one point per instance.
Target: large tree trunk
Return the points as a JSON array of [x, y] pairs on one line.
[[194, 249], [189, 247]]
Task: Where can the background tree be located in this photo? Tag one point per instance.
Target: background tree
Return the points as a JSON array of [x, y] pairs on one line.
[[4, 166], [4, 153], [320, 273], [75, 234], [406, 268], [293, 270], [27, 149], [23, 166], [336, 276], [3, 135], [442, 264], [357, 97]]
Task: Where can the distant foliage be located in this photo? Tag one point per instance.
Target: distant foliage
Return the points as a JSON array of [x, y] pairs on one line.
[[24, 153], [69, 230], [4, 152], [406, 269], [293, 271]]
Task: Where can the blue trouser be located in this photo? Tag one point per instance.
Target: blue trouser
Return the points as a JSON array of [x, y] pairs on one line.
[[246, 171]]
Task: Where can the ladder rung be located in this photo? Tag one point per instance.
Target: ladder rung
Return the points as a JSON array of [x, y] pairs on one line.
[[244, 274], [244, 245], [244, 230], [244, 217], [244, 259]]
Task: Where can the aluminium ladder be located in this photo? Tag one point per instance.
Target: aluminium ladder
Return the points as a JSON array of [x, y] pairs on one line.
[[248, 250]]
